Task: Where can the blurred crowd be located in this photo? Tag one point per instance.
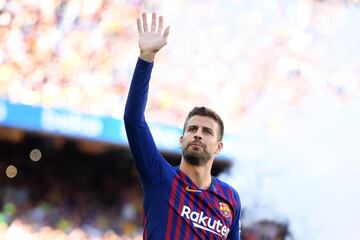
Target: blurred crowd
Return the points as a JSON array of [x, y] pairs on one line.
[[64, 193], [67, 53], [80, 55], [62, 218]]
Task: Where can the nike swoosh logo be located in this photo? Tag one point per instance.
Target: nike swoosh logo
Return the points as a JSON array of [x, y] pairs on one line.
[[192, 190]]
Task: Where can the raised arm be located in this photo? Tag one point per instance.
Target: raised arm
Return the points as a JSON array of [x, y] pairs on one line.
[[150, 42], [150, 164]]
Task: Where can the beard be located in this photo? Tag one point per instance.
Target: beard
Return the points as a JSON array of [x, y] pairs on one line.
[[196, 158]]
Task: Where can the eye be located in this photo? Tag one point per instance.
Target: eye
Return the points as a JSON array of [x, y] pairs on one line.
[[208, 131], [192, 129]]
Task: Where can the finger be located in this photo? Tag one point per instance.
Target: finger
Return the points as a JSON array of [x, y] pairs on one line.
[[145, 24], [166, 33], [140, 29], [161, 24], [153, 22]]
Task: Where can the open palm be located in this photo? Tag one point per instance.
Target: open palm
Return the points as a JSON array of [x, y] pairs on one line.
[[150, 42]]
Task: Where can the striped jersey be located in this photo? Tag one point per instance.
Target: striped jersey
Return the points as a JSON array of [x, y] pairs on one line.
[[174, 206]]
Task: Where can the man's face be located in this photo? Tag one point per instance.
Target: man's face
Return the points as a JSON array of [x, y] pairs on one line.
[[200, 140]]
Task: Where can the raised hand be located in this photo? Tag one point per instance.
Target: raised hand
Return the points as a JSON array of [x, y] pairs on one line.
[[150, 42]]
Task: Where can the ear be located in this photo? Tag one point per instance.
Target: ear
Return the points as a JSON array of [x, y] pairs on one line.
[[181, 140], [219, 147]]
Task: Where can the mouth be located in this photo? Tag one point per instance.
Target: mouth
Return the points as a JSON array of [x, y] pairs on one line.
[[196, 144]]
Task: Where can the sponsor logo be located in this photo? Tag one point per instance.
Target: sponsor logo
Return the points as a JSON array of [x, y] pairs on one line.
[[188, 189], [200, 220], [224, 209]]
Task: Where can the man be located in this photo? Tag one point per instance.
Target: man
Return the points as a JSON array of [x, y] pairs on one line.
[[183, 202]]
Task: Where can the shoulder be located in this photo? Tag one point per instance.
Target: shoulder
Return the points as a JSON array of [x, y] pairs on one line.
[[224, 185], [227, 189]]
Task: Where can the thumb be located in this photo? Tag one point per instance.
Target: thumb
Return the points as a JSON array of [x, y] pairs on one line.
[[166, 33]]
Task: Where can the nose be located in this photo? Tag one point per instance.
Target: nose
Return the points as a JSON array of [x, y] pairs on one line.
[[197, 137]]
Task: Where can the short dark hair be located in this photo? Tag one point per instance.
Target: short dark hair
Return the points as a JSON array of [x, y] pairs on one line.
[[206, 112]]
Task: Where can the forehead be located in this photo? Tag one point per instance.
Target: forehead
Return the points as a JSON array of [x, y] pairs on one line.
[[202, 121]]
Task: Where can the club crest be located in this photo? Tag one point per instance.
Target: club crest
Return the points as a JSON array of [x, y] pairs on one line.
[[224, 209]]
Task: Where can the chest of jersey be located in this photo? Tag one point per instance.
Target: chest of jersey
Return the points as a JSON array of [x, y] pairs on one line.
[[198, 214]]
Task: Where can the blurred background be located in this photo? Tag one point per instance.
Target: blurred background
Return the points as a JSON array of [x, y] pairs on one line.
[[283, 74]]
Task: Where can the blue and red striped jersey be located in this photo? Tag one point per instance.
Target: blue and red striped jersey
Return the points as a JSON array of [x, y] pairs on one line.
[[174, 207]]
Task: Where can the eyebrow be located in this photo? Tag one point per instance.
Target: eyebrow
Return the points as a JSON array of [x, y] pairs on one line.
[[196, 126], [210, 129]]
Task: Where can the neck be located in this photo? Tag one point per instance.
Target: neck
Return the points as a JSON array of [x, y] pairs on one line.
[[200, 175]]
